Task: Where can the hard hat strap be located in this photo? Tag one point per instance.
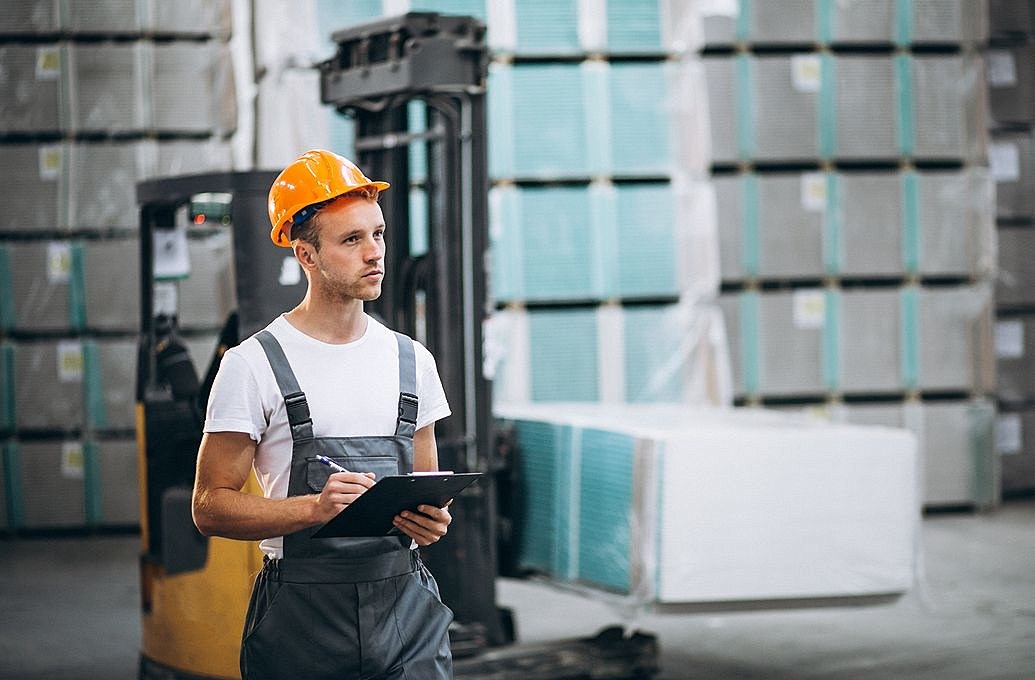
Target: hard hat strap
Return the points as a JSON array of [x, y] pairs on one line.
[[307, 212]]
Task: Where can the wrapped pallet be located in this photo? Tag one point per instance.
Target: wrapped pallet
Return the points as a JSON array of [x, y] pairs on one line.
[[610, 354], [671, 505], [813, 341]]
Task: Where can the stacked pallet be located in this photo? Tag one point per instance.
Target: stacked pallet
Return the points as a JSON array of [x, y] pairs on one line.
[[848, 147], [95, 97], [602, 225], [1011, 93]]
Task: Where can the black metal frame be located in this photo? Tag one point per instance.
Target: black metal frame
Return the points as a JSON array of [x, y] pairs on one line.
[[172, 426]]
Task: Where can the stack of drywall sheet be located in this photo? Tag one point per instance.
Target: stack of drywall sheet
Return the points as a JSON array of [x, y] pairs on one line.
[[564, 244], [94, 97], [609, 353], [69, 483], [813, 341], [856, 205], [856, 224], [673, 505], [958, 466]]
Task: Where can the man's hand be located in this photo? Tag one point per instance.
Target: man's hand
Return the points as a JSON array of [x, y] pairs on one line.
[[425, 526], [341, 489]]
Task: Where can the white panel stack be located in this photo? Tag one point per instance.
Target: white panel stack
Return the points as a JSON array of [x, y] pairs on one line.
[[48, 386], [877, 342], [205, 72], [51, 484], [37, 276], [856, 224], [106, 88], [117, 486], [111, 384], [958, 467], [608, 353], [715, 507], [111, 294], [32, 172], [30, 95]]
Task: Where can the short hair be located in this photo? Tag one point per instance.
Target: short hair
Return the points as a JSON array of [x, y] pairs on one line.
[[308, 231]]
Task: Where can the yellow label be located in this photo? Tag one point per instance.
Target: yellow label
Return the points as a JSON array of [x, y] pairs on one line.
[[72, 460], [806, 72], [814, 191], [50, 162], [59, 262], [810, 309], [70, 361], [48, 63]]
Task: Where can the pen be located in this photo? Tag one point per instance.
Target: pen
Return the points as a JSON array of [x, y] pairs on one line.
[[330, 463]]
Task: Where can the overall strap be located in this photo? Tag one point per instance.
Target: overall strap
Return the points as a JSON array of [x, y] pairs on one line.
[[294, 398], [406, 425]]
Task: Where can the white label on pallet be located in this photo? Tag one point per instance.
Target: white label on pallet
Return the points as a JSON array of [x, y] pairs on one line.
[[814, 191], [48, 63], [73, 462], [1004, 160], [166, 298], [59, 262], [1002, 72], [290, 272], [70, 361], [50, 162], [172, 257], [810, 309], [806, 72], [1009, 436], [1009, 339]]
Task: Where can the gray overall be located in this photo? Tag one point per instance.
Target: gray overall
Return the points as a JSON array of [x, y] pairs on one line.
[[345, 607]]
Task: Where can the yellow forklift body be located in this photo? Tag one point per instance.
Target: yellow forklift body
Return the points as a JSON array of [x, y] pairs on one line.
[[192, 621], [196, 619]]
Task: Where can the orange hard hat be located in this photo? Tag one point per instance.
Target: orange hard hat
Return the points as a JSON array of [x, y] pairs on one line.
[[312, 179]]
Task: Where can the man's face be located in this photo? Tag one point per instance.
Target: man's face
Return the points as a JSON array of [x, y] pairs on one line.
[[350, 261]]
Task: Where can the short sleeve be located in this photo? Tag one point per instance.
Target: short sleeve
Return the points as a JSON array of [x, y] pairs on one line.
[[432, 404], [235, 405]]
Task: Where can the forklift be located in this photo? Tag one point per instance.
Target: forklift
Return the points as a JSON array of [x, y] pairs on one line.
[[194, 590]]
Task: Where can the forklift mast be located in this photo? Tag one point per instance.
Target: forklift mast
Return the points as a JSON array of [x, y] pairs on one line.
[[438, 296]]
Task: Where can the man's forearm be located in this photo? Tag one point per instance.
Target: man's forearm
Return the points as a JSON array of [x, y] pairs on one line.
[[247, 517]]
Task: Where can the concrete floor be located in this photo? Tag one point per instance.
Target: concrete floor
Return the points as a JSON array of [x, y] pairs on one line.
[[70, 610]]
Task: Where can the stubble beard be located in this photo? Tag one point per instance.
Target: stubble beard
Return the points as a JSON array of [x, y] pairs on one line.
[[343, 291]]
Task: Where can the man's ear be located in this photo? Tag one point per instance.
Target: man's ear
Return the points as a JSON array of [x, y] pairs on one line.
[[305, 253]]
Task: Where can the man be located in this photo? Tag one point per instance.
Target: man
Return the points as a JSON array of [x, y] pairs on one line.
[[327, 379]]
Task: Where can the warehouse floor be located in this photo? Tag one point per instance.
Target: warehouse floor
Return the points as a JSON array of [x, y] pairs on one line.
[[70, 610]]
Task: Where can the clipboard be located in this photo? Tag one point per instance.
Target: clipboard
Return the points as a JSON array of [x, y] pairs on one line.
[[371, 514]]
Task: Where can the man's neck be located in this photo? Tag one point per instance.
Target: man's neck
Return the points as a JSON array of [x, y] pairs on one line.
[[334, 324]]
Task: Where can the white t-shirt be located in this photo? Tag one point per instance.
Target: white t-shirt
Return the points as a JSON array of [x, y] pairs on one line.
[[352, 390]]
